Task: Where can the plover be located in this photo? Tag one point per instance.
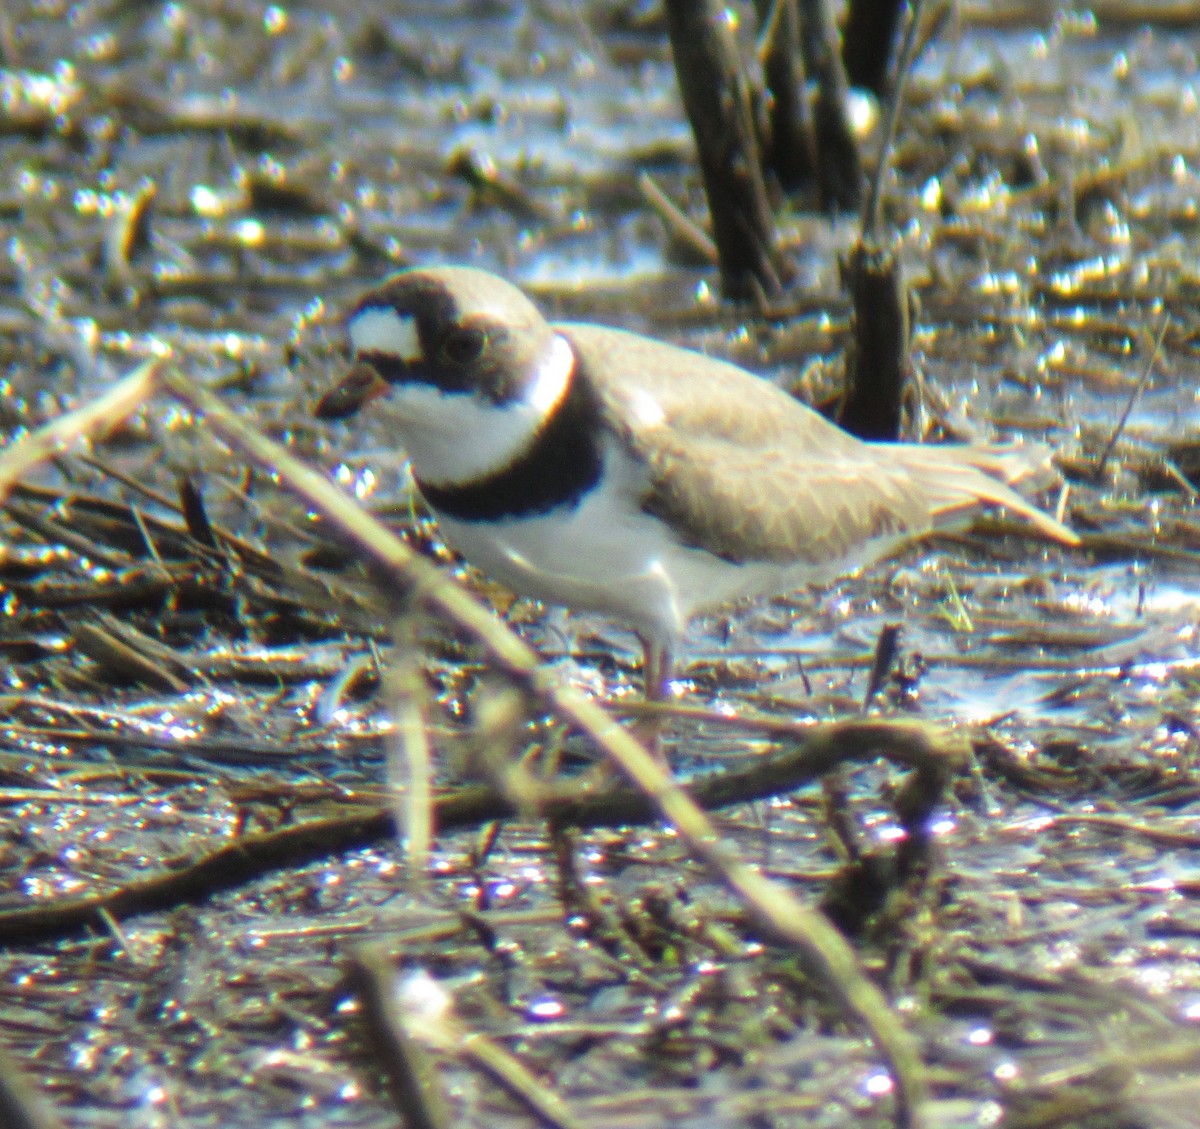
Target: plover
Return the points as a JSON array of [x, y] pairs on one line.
[[603, 470]]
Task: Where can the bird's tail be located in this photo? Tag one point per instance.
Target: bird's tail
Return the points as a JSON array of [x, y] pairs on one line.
[[959, 480]]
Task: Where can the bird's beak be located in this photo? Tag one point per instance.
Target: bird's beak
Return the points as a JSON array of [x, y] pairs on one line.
[[360, 385]]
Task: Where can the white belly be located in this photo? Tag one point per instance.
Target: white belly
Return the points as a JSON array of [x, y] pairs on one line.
[[606, 555]]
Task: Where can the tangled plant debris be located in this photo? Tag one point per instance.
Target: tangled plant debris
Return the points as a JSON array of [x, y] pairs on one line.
[[195, 733]]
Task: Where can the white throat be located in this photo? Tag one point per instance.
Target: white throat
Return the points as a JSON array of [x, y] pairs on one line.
[[456, 438]]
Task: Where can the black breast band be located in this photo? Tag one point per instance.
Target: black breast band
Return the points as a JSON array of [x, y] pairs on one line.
[[560, 466]]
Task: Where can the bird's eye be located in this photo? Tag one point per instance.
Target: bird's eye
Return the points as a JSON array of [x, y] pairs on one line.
[[464, 345]]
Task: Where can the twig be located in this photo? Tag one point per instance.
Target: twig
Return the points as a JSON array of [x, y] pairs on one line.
[[815, 751], [781, 916], [409, 756], [887, 647], [680, 226], [417, 1092], [1134, 396], [124, 397]]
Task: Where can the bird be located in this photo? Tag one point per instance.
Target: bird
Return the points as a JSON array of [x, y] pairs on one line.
[[606, 471]]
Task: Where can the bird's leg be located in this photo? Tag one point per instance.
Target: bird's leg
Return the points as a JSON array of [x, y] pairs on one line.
[[657, 668]]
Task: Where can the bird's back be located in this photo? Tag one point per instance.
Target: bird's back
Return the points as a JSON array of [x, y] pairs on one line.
[[746, 472]]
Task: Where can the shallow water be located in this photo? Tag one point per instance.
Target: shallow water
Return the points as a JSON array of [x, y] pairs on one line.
[[1045, 200]]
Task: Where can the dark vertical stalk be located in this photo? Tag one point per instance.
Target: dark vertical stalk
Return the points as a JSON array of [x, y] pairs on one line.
[[790, 153], [868, 37], [839, 169], [716, 97], [877, 363], [877, 357]]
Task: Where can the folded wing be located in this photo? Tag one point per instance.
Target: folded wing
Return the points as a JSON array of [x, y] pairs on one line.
[[748, 473]]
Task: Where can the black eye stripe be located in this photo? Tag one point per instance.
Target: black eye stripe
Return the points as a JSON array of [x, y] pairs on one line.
[[391, 368], [396, 371]]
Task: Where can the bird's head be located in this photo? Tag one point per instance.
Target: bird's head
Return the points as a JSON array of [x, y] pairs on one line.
[[465, 365]]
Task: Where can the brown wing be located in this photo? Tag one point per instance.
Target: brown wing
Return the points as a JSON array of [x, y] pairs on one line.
[[764, 504], [741, 468]]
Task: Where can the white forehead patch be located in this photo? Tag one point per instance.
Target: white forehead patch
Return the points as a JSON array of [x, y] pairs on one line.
[[380, 329]]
